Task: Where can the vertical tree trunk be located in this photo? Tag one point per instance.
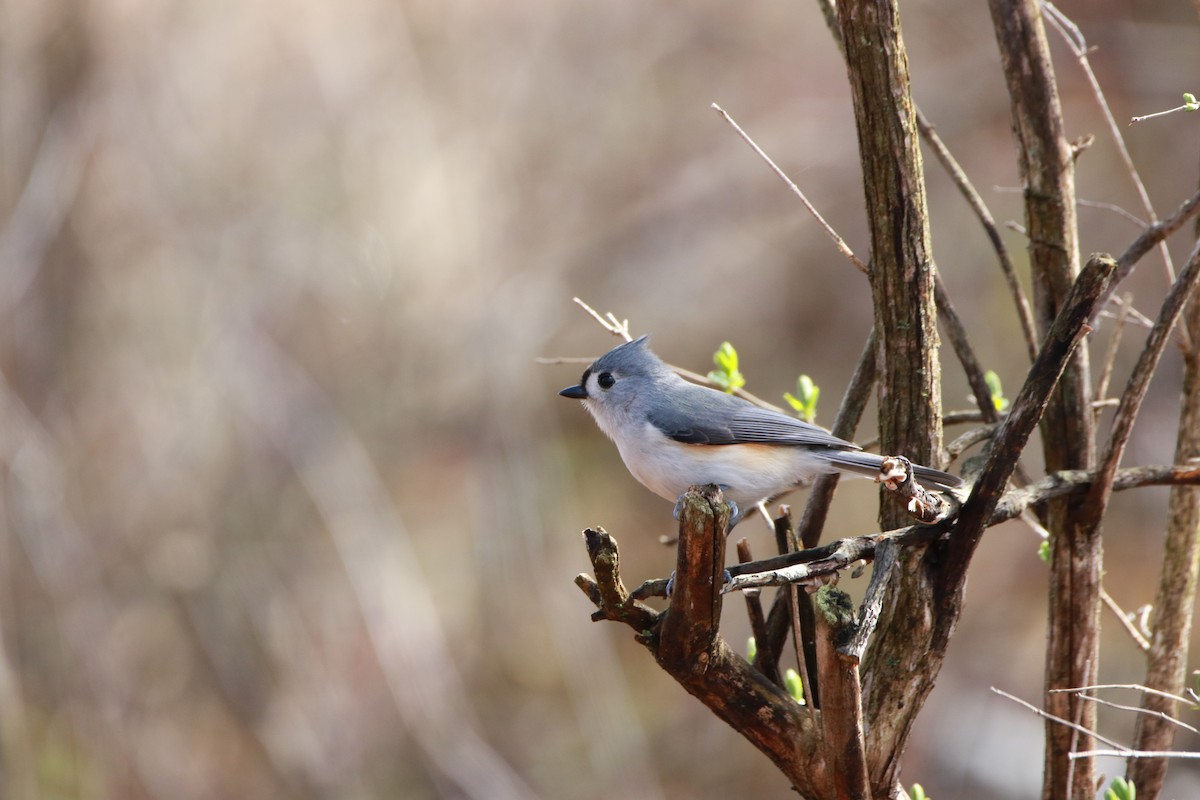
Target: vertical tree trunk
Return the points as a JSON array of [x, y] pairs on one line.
[[1067, 427], [1172, 618], [909, 380]]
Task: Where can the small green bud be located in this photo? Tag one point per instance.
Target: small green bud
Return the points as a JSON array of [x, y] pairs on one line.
[[996, 390], [804, 401], [793, 684], [1120, 789], [1044, 551], [727, 375]]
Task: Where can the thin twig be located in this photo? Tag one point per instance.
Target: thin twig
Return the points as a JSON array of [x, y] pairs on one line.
[[1120, 211], [1139, 687], [758, 622], [1151, 237], [609, 322], [1139, 382], [1073, 36], [1137, 710], [969, 439], [1111, 356], [961, 343], [838, 241], [967, 189], [1138, 637], [1068, 329], [1133, 754], [843, 553], [850, 411], [1125, 621], [1046, 714], [1126, 306]]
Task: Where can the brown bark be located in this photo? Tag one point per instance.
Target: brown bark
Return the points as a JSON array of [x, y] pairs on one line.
[[1047, 170], [1171, 623], [686, 643], [902, 289]]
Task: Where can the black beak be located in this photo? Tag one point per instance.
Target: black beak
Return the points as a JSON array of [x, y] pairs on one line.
[[574, 392]]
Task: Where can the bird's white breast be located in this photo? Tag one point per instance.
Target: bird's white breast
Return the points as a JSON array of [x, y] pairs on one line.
[[747, 472]]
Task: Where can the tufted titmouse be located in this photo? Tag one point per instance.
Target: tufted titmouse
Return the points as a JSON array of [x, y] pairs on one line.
[[673, 434]]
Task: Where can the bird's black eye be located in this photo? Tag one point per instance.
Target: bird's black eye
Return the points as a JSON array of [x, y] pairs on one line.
[[606, 380]]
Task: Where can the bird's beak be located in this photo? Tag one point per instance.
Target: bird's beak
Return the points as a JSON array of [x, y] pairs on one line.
[[575, 392]]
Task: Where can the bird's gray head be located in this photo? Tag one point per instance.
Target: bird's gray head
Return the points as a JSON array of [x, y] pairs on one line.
[[616, 379]]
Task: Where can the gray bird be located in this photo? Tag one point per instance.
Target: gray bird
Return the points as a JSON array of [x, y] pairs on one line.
[[673, 434]]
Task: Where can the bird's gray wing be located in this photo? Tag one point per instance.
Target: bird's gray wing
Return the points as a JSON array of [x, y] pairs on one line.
[[699, 415]]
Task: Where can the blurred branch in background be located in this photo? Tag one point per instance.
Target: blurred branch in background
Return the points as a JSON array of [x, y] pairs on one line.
[[393, 597]]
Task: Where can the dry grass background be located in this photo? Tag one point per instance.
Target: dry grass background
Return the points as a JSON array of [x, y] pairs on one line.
[[288, 508]]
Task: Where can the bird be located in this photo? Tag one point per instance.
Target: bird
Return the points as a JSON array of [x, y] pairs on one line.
[[673, 434]]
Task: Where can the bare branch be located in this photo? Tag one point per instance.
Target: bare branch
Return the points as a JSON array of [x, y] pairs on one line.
[[838, 241], [1150, 239], [1135, 391], [854, 402], [841, 554], [609, 322], [1138, 710], [1073, 36], [1138, 637], [1068, 329], [1135, 754], [841, 712], [965, 187], [685, 641], [1175, 598], [1139, 687], [965, 352], [1111, 357], [758, 621], [1066, 723]]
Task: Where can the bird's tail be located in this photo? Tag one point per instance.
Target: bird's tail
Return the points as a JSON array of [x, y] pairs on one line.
[[863, 463]]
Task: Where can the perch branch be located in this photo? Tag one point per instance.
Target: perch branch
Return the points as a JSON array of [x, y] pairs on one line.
[[685, 641]]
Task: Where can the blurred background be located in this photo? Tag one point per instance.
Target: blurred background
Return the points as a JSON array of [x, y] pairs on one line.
[[289, 508]]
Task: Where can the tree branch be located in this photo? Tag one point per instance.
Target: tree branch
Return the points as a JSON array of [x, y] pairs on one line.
[[686, 644], [1047, 171], [1139, 382], [909, 379], [1027, 409], [965, 187], [838, 555], [841, 713], [1174, 604]]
